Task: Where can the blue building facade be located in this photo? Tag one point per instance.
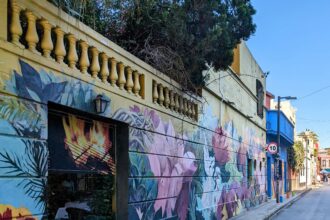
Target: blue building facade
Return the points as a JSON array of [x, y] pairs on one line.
[[286, 141]]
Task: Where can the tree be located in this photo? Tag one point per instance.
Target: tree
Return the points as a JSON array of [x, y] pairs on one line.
[[296, 156], [178, 37]]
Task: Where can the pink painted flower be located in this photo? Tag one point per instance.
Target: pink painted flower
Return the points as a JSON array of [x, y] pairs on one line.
[[173, 170], [228, 202], [220, 143], [242, 159]]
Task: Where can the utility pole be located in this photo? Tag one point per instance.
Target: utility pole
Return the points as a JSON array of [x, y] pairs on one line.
[[277, 158], [277, 155], [307, 142]]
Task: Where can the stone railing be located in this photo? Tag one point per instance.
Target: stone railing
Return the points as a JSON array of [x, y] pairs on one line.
[[67, 47], [171, 99], [47, 31]]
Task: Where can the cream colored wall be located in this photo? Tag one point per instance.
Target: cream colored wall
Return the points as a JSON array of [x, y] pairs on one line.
[[240, 88], [250, 70]]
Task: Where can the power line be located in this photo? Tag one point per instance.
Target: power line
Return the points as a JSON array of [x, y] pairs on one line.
[[313, 120], [314, 92]]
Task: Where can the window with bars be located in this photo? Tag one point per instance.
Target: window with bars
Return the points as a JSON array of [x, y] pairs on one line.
[[260, 98]]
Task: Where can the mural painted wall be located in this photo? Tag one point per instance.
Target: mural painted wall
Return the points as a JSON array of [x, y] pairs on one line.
[[210, 171]]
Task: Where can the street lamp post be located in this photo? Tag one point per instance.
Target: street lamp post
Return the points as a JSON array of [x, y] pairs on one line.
[[277, 158]]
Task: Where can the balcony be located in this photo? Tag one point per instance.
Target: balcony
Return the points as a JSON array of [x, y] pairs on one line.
[[286, 127]]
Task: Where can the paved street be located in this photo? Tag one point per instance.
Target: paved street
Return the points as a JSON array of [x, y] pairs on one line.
[[314, 205]]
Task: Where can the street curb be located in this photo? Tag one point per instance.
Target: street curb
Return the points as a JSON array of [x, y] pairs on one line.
[[277, 211]]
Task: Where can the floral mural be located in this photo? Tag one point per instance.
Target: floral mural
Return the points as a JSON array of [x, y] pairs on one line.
[[202, 174]]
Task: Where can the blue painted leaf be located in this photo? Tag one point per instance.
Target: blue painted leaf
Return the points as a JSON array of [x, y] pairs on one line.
[[53, 92], [20, 86], [32, 78]]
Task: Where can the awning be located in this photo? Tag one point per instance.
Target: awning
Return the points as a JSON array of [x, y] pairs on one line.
[[325, 171]]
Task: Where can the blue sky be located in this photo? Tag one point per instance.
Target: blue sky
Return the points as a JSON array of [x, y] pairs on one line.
[[292, 41]]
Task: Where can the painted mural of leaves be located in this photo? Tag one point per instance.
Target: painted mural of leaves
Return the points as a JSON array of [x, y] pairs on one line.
[[20, 86], [14, 164], [30, 85], [33, 168], [53, 91], [16, 112], [31, 78]]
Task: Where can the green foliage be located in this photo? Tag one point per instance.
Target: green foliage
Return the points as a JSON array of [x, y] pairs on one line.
[[316, 152], [13, 111], [34, 168], [177, 37], [296, 155], [101, 202]]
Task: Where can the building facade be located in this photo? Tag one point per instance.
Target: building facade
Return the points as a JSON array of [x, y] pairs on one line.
[[324, 159], [286, 141], [309, 172], [87, 129], [323, 163]]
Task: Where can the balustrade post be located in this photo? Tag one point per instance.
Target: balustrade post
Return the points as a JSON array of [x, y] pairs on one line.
[[60, 51], [182, 105], [172, 101], [4, 12], [121, 77], [193, 112], [72, 54], [31, 36], [186, 108], [137, 87], [15, 28], [113, 74], [155, 95], [104, 69], [167, 98], [95, 65], [129, 80], [46, 41], [161, 95], [189, 108], [176, 101], [84, 60]]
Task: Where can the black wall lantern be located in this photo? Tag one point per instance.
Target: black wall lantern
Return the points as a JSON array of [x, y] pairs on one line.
[[101, 104]]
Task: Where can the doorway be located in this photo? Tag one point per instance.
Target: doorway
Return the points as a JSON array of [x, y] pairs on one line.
[[83, 164]]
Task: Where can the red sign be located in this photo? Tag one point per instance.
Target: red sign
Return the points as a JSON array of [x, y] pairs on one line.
[[272, 148]]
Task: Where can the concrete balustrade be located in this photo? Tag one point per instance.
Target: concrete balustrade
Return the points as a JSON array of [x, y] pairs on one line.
[[105, 68], [169, 99], [16, 30], [121, 75], [31, 35], [46, 43], [137, 86], [72, 54], [60, 51], [91, 61], [93, 58], [113, 74], [95, 65], [129, 79], [84, 60]]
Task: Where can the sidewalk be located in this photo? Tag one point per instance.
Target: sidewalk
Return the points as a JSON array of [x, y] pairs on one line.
[[270, 208]]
